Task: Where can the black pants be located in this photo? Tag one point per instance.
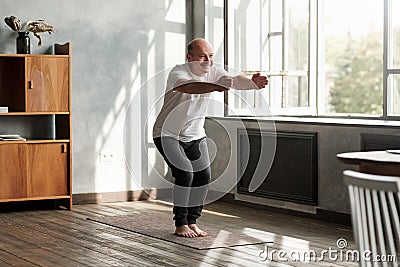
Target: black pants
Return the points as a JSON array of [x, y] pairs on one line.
[[190, 166]]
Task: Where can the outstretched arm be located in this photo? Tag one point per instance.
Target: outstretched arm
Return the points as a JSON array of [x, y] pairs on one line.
[[199, 87], [241, 82]]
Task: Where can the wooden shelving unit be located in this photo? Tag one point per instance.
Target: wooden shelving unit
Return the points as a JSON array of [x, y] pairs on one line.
[[37, 91]]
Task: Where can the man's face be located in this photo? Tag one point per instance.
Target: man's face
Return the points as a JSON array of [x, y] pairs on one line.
[[203, 55]]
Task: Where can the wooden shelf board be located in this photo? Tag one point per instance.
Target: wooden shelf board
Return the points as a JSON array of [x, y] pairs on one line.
[[35, 141], [32, 113], [31, 55], [47, 141], [35, 198]]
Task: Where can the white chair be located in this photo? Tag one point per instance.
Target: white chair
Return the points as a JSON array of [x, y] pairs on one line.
[[375, 202]]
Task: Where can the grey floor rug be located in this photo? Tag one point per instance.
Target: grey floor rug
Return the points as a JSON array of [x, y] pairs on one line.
[[161, 226]]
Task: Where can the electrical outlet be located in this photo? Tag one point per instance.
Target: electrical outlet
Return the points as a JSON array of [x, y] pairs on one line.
[[106, 157]]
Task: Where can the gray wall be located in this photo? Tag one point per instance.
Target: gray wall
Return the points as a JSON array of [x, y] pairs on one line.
[[331, 140], [116, 46]]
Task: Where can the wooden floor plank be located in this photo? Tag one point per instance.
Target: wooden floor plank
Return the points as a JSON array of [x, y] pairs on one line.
[[9, 259], [89, 243], [101, 236], [190, 252], [65, 238], [151, 245]]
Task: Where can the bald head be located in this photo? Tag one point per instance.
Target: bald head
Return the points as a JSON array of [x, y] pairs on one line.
[[196, 44]]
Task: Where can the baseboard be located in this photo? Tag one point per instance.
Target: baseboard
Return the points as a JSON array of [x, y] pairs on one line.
[[106, 197], [333, 216], [320, 214]]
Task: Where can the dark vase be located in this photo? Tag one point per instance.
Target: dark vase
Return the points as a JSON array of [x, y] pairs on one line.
[[23, 43]]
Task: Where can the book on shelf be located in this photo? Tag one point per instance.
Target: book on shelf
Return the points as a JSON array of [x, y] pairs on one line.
[[11, 137], [3, 109]]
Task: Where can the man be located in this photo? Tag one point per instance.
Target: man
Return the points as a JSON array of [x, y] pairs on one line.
[[179, 133]]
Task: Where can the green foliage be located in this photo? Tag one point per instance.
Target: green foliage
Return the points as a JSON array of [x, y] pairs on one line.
[[358, 85]]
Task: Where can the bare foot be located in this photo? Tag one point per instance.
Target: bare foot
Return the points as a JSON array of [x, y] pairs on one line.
[[197, 230], [185, 231]]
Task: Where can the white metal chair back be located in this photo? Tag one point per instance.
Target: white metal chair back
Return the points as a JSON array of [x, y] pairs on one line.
[[375, 202]]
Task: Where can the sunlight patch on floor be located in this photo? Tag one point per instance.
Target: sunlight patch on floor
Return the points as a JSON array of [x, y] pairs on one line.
[[204, 210], [220, 214], [259, 234]]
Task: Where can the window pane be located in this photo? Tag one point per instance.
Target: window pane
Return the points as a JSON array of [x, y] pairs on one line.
[[394, 95], [275, 84], [276, 53], [396, 34], [295, 93], [214, 27], [297, 34], [353, 56], [276, 16]]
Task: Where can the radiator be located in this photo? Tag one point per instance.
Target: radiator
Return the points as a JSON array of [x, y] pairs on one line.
[[293, 173], [374, 142]]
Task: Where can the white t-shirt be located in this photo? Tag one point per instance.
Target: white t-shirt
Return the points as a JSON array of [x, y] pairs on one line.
[[182, 115]]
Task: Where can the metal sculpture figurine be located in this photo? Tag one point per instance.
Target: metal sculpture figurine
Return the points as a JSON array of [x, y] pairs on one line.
[[39, 26], [14, 23]]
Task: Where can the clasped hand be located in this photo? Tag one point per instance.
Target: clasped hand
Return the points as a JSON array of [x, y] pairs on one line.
[[241, 82], [259, 80], [226, 82]]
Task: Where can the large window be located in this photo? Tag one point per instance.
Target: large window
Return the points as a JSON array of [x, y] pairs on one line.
[[322, 57]]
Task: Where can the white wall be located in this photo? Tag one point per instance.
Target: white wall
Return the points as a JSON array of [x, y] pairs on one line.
[[116, 47]]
